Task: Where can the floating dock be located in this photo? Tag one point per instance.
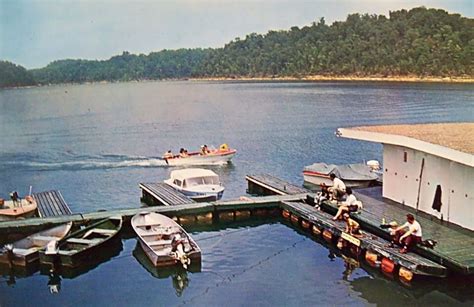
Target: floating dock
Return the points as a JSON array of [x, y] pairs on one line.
[[320, 223], [455, 249], [161, 194], [51, 203]]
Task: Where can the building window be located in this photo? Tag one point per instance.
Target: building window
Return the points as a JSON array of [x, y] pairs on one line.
[[405, 156]]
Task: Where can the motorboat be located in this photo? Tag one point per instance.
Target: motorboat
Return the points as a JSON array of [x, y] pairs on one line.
[[222, 155], [357, 175], [196, 183], [83, 245], [25, 251], [164, 242], [17, 207]]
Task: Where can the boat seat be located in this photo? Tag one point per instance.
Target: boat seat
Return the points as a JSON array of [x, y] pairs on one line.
[[67, 252], [81, 241], [45, 238], [104, 231], [159, 242], [24, 251], [144, 225]]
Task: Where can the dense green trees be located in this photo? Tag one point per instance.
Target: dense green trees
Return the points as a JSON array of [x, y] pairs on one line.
[[418, 42], [12, 75]]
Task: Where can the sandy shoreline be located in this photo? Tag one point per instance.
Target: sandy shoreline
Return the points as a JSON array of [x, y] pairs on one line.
[[315, 78]]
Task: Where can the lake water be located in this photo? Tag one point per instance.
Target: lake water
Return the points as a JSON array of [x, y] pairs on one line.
[[95, 143]]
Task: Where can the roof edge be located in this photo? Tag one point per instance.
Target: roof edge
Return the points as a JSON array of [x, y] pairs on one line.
[[399, 140]]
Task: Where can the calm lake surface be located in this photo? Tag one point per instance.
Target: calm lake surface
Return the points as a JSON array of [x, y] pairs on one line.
[[95, 143]]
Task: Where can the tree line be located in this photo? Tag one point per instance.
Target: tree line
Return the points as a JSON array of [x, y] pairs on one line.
[[421, 41]]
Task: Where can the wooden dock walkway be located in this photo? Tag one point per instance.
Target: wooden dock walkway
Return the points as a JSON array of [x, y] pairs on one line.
[[249, 204], [161, 194], [455, 248], [265, 184], [51, 203], [323, 221]]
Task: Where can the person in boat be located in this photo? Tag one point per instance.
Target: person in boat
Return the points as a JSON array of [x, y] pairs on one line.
[[407, 235], [15, 198], [352, 227], [351, 204], [204, 150], [183, 153], [338, 188], [168, 155]]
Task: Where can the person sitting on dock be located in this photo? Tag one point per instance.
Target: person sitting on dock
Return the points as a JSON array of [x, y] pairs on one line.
[[407, 238], [338, 188], [352, 227], [351, 204]]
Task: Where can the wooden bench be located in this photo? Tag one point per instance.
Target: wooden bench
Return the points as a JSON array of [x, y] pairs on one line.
[[81, 241]]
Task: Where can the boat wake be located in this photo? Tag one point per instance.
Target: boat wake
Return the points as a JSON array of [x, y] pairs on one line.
[[71, 162]]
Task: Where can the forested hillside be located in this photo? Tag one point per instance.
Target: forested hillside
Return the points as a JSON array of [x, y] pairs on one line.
[[419, 42], [12, 75]]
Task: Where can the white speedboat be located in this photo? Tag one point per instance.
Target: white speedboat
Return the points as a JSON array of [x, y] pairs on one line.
[[196, 183], [222, 155], [358, 175], [165, 242]]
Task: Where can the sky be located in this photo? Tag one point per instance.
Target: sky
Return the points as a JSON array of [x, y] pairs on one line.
[[34, 33]]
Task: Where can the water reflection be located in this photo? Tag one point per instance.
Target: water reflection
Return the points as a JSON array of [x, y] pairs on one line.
[[179, 275], [12, 273]]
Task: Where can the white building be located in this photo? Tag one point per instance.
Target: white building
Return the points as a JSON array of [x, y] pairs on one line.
[[429, 167]]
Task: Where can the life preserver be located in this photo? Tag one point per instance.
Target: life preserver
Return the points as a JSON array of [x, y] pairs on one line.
[[224, 147]]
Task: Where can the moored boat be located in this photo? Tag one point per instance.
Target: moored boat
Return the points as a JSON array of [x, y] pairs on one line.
[[73, 249], [222, 155], [17, 208], [164, 241], [358, 175], [196, 183], [25, 251]]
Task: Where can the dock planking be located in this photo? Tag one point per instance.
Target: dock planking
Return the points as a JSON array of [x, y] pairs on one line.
[[249, 203], [455, 248], [162, 194], [415, 263], [272, 184], [51, 203]]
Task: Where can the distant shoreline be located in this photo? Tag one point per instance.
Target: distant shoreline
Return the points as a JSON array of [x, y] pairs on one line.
[[315, 78]]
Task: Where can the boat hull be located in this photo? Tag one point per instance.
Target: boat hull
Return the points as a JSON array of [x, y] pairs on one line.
[[152, 229], [72, 252], [26, 251], [318, 180], [8, 212], [198, 159]]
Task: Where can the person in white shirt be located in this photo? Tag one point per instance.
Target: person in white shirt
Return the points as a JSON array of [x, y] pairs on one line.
[[408, 235], [351, 204], [338, 188]]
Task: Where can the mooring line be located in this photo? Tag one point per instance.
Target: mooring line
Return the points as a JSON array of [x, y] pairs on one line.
[[234, 275]]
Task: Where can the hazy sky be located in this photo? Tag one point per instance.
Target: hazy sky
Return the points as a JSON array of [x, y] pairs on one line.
[[34, 33]]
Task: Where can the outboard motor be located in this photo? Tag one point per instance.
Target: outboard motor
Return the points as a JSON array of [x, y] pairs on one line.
[[177, 247]]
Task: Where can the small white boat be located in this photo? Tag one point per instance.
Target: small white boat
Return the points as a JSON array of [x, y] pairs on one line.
[[17, 207], [164, 241], [196, 183], [25, 251], [358, 175], [219, 156]]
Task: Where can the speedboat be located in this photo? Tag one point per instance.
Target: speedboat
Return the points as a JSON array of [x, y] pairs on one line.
[[209, 157], [196, 183], [17, 207], [357, 175]]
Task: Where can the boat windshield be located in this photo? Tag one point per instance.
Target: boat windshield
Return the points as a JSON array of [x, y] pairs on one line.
[[190, 182]]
